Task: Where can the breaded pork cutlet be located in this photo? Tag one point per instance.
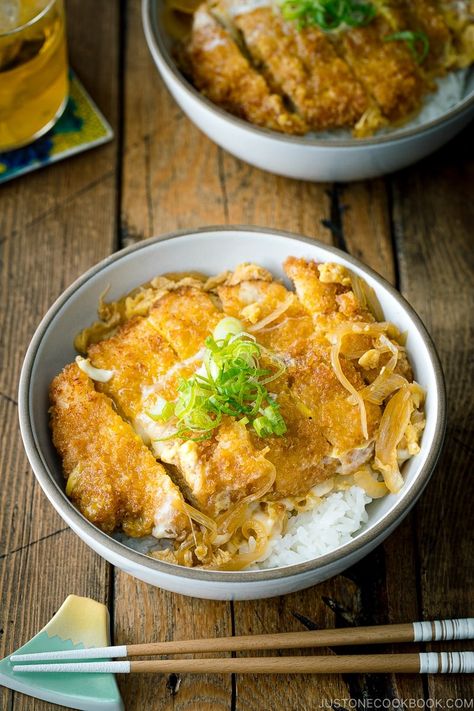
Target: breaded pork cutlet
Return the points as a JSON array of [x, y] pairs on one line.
[[112, 477], [185, 317], [366, 72], [151, 352], [319, 394], [249, 416], [341, 99], [387, 70], [323, 426], [300, 454], [149, 356], [226, 77], [326, 293], [137, 355], [251, 295], [302, 66]]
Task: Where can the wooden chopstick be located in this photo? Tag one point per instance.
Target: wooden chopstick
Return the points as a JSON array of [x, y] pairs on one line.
[[382, 634], [423, 663]]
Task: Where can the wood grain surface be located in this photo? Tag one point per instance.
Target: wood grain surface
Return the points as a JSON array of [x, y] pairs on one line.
[[159, 174]]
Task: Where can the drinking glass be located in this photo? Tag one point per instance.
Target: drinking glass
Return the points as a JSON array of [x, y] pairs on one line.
[[33, 69]]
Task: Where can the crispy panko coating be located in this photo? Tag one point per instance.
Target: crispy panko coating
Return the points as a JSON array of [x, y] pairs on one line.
[[304, 67], [302, 456], [293, 77], [224, 74], [321, 422], [184, 318], [222, 471], [340, 97], [112, 477], [327, 297], [315, 386], [138, 355], [147, 352], [387, 69], [252, 298]]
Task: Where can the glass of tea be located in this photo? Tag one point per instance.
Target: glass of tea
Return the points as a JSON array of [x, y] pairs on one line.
[[33, 69]]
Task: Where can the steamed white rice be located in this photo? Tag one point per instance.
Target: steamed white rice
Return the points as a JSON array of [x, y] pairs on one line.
[[328, 525]]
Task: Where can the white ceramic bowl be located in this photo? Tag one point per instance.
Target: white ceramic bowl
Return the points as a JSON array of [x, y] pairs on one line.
[[300, 157], [212, 250]]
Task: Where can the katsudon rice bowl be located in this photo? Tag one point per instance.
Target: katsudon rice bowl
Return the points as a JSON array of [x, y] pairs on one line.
[[316, 89], [230, 428]]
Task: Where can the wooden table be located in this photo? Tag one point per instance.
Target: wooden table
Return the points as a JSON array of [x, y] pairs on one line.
[[160, 174]]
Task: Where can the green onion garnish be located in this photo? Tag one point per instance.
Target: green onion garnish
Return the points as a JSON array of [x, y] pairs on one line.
[[328, 14], [231, 381], [418, 43]]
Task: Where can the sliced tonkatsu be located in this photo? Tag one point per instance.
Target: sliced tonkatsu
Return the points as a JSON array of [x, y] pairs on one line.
[[297, 67], [112, 477], [149, 357], [222, 72], [304, 67]]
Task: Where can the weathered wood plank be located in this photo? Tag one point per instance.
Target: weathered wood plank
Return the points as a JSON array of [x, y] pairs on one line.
[[433, 218], [366, 225], [54, 224], [255, 197], [146, 613]]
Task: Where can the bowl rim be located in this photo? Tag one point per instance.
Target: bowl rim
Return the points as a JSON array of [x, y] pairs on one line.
[[159, 51], [67, 510]]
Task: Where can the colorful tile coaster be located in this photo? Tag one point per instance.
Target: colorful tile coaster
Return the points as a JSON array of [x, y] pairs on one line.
[[81, 126], [79, 623]]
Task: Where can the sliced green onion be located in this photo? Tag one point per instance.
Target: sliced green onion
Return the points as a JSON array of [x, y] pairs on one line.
[[231, 381], [418, 43], [359, 14], [270, 422], [328, 14]]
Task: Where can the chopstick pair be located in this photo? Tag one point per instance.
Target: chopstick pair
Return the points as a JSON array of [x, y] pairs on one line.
[[431, 662]]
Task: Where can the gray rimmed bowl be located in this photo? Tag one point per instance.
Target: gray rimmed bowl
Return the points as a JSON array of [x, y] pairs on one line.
[[212, 250], [306, 158]]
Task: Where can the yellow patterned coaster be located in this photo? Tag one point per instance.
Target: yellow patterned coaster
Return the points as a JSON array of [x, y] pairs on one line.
[[81, 126]]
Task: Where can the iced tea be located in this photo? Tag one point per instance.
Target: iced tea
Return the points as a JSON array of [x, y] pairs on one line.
[[33, 69]]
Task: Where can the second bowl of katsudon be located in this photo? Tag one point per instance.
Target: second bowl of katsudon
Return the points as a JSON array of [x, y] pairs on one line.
[[230, 428], [316, 89]]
